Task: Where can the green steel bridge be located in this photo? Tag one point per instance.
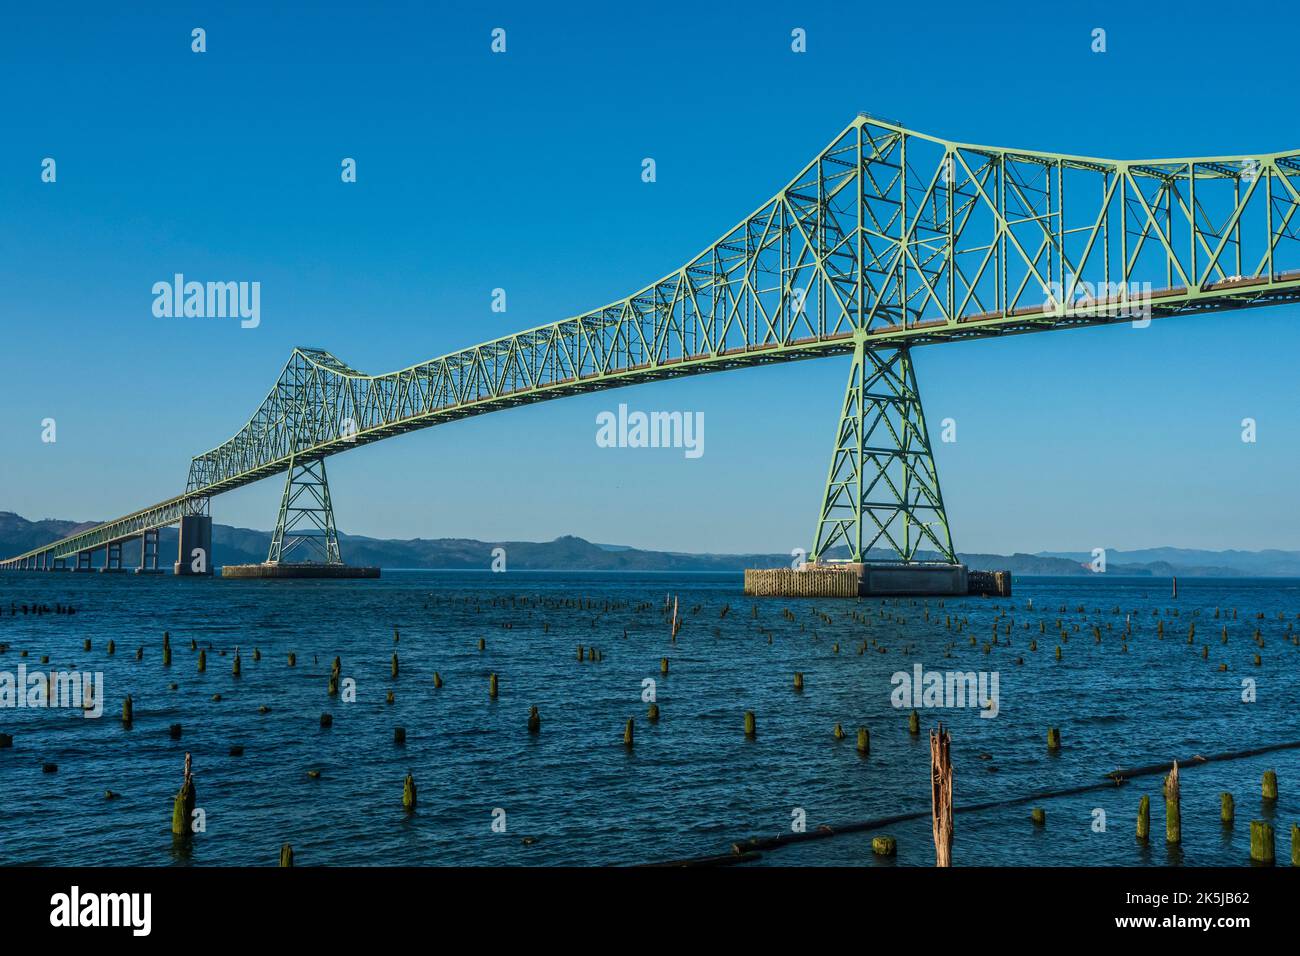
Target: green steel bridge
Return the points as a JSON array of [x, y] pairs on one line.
[[888, 239]]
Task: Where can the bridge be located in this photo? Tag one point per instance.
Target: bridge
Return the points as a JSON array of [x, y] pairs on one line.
[[887, 240]]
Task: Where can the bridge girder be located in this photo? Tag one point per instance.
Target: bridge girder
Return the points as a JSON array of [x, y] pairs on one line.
[[889, 238]]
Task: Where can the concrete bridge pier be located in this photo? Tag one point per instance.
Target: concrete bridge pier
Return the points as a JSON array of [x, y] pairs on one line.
[[194, 557]]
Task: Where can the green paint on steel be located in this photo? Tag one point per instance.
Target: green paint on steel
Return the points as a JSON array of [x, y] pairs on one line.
[[887, 239]]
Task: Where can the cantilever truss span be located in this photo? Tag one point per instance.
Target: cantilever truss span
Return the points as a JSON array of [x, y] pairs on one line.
[[887, 240]]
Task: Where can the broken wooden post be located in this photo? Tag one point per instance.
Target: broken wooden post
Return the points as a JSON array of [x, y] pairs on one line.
[[1269, 785], [864, 741], [627, 734], [1053, 739], [183, 804], [534, 720], [492, 685], [1173, 812], [128, 712], [941, 795], [1261, 842], [1226, 808], [884, 846], [751, 727], [408, 793], [286, 855], [1144, 819]]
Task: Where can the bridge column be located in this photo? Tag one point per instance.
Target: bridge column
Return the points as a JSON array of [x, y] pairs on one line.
[[112, 557], [148, 552], [83, 561], [306, 518], [194, 552], [883, 489]]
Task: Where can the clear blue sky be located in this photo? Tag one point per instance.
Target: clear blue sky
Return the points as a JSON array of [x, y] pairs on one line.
[[522, 171]]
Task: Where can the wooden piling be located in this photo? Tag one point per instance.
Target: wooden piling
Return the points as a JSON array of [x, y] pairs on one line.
[[751, 726], [1269, 785], [184, 802], [286, 855], [1261, 842], [1226, 808], [884, 846], [941, 795], [408, 793], [864, 741], [128, 712], [1173, 811], [1144, 819], [628, 733]]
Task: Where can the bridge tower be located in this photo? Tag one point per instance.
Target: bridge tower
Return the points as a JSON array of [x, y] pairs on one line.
[[882, 491], [306, 517]]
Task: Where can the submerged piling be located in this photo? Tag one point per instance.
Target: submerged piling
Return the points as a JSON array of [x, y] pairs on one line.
[[183, 804], [1261, 842], [1173, 812]]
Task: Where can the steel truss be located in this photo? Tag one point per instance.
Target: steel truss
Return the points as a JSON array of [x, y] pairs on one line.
[[306, 517], [883, 488], [888, 238]]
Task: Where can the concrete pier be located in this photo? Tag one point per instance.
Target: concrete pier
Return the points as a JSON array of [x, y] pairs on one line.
[[872, 580], [272, 569], [194, 553]]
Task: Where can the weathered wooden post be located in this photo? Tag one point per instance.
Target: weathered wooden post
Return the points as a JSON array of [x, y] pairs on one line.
[[798, 680], [884, 846], [864, 741], [534, 720], [1144, 819], [394, 667], [183, 805], [1227, 810], [628, 734], [492, 685], [1173, 812], [751, 727], [1269, 785], [1261, 842], [941, 795], [1053, 739], [128, 712], [408, 793], [286, 855], [913, 723], [1039, 816]]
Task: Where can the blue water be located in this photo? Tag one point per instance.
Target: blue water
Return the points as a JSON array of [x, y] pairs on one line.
[[692, 783]]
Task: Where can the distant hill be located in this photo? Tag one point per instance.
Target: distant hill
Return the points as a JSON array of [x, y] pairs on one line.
[[244, 546]]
